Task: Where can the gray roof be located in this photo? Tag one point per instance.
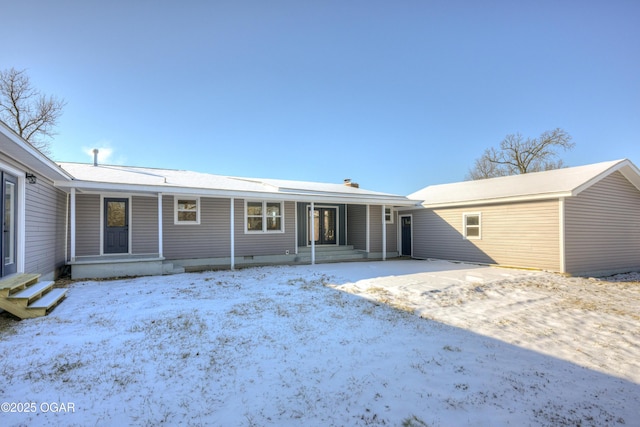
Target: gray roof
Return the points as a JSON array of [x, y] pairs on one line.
[[88, 177], [566, 182]]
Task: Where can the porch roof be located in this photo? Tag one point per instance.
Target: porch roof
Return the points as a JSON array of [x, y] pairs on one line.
[[105, 178]]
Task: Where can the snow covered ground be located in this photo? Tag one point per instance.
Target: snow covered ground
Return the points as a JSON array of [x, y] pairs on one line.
[[413, 343]]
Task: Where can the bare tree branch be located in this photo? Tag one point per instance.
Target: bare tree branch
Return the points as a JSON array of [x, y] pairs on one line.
[[29, 113], [517, 155]]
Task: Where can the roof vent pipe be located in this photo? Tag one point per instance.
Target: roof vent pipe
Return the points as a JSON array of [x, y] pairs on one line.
[[95, 157]]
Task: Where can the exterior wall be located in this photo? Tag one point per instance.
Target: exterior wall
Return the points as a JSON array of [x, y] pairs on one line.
[[45, 212], [375, 229], [256, 244], [515, 234], [392, 234], [356, 226], [209, 239], [602, 228], [144, 225], [88, 213]]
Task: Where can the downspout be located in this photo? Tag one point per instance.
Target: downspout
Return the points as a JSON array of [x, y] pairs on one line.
[[66, 229]]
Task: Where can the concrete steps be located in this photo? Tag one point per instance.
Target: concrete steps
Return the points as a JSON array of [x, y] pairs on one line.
[[25, 297], [331, 254]]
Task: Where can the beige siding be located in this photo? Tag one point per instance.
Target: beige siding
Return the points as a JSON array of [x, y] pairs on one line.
[[88, 224], [144, 225], [515, 234], [356, 226], [44, 228], [602, 227], [392, 234], [209, 239], [254, 244]]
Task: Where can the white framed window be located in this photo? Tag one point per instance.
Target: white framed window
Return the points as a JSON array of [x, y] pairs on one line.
[[186, 210], [472, 224], [263, 216], [388, 215]]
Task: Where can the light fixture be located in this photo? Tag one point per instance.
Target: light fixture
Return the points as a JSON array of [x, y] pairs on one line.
[[31, 178]]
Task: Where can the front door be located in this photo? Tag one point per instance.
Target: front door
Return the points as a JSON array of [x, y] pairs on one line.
[[406, 235], [324, 223], [116, 226], [9, 224]]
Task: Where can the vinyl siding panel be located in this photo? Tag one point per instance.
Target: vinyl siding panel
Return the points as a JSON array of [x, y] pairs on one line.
[[392, 234], [88, 224], [375, 229], [209, 239], [602, 227], [255, 244], [44, 228], [356, 226], [144, 225], [514, 234]]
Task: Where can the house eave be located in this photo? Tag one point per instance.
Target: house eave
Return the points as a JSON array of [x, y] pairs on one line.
[[501, 200], [101, 187]]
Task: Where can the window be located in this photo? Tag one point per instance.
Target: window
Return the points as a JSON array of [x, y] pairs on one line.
[[472, 226], [187, 210], [264, 216], [388, 215]]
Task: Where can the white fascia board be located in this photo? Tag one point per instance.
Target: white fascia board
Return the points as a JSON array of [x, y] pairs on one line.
[[97, 187], [626, 168], [478, 202]]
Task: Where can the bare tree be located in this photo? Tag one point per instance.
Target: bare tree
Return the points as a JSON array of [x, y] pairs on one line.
[[518, 155], [31, 114]]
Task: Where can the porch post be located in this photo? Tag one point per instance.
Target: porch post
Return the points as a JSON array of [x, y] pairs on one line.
[[72, 252], [312, 237], [233, 236], [160, 242], [384, 235], [368, 231]]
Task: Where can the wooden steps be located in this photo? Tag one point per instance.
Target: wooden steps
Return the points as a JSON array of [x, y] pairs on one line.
[[25, 297]]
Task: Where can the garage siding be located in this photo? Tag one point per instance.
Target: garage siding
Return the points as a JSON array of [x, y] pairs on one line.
[[513, 234], [602, 228]]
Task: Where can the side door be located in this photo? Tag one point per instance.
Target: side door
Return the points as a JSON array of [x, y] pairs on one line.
[[116, 226], [9, 224], [405, 235]]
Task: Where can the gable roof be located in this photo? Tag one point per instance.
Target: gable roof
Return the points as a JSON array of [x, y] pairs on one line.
[[14, 146], [88, 177], [566, 182]]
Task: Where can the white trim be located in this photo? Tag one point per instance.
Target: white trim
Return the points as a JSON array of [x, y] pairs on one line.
[[264, 216], [346, 222], [313, 242], [232, 236], [160, 227], [72, 237], [295, 226], [384, 233], [483, 202], [465, 226], [129, 226], [561, 232], [175, 210]]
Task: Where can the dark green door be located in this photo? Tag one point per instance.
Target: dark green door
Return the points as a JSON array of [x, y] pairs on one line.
[[406, 235]]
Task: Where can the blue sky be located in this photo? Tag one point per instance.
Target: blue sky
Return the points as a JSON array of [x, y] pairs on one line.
[[395, 95]]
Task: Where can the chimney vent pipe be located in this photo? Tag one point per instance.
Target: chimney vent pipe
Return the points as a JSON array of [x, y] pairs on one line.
[[95, 157]]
